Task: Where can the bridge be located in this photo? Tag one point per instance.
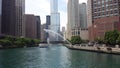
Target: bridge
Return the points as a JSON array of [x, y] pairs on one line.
[[55, 42]]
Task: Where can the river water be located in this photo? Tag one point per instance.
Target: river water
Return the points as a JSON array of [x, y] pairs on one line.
[[56, 57]]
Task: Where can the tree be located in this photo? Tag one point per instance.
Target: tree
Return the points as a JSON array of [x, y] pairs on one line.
[[111, 37], [118, 40], [76, 40], [5, 42], [20, 42], [99, 40], [36, 41]]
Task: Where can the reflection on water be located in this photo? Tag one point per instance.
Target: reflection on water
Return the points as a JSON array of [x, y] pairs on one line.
[[56, 57]]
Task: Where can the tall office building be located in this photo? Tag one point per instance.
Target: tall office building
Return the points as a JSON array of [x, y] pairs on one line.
[[38, 21], [105, 16], [83, 21], [43, 33], [89, 13], [55, 20], [31, 26], [83, 16], [13, 22], [73, 25], [89, 20], [47, 26]]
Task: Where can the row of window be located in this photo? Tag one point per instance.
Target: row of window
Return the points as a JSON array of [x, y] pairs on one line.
[[105, 9], [104, 14], [103, 5], [104, 1], [76, 33]]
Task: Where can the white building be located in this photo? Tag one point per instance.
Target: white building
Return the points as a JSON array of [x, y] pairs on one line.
[[83, 16], [73, 25], [55, 20], [83, 21]]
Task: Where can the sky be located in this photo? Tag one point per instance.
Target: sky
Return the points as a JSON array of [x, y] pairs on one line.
[[42, 8]]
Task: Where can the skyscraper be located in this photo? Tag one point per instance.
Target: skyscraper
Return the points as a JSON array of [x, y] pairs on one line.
[[89, 19], [48, 21], [73, 25], [38, 21], [48, 17], [31, 26], [55, 20], [83, 16], [43, 33], [83, 21], [13, 22]]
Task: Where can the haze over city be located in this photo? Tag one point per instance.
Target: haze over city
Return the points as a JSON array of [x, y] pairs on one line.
[[42, 8]]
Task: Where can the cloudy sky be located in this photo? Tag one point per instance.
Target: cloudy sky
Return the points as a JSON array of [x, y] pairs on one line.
[[42, 8]]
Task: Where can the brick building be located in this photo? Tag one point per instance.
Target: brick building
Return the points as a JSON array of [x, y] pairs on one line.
[[105, 17], [31, 30]]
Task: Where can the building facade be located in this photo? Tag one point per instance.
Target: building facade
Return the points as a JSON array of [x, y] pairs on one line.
[[43, 33], [89, 20], [31, 26], [73, 25], [48, 21], [13, 20], [84, 34], [105, 17], [83, 21], [38, 24], [63, 33], [83, 16], [55, 20]]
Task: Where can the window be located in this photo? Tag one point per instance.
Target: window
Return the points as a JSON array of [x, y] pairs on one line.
[[103, 8], [111, 12], [98, 9], [98, 14], [115, 11], [102, 1], [115, 1], [106, 0]]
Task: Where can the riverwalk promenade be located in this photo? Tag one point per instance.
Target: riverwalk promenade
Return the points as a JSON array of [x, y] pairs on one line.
[[95, 48]]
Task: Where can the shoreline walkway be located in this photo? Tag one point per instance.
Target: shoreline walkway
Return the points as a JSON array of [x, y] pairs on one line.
[[99, 49]]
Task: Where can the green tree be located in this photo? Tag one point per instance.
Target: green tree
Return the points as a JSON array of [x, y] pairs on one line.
[[76, 40], [111, 37], [118, 40], [20, 42], [99, 40], [5, 42], [36, 41]]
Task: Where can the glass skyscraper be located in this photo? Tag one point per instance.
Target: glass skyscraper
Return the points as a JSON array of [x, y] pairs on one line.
[[55, 20]]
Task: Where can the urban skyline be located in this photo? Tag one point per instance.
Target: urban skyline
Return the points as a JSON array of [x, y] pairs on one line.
[[37, 7]]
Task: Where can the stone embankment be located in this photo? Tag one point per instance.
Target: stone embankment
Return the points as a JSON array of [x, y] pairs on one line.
[[96, 48]]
